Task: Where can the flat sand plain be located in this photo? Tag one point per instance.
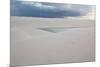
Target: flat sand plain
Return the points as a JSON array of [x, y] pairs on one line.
[[34, 42]]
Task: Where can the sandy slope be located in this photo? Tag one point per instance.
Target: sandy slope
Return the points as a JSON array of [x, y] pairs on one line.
[[32, 46]]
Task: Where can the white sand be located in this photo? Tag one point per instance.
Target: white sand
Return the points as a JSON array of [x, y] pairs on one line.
[[32, 46]]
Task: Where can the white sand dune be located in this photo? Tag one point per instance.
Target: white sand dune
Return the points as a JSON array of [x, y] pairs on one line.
[[31, 45]]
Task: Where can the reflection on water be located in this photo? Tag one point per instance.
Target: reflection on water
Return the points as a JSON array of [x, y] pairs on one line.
[[57, 29]]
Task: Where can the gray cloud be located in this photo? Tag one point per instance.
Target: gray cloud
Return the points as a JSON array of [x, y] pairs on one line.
[[50, 10]]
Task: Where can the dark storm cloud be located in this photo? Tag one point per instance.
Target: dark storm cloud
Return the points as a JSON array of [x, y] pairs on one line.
[[50, 10]]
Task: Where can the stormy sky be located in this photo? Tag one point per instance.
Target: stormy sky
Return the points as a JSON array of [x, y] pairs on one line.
[[48, 10]]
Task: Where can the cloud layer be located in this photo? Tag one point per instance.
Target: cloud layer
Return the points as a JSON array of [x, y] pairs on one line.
[[49, 10]]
